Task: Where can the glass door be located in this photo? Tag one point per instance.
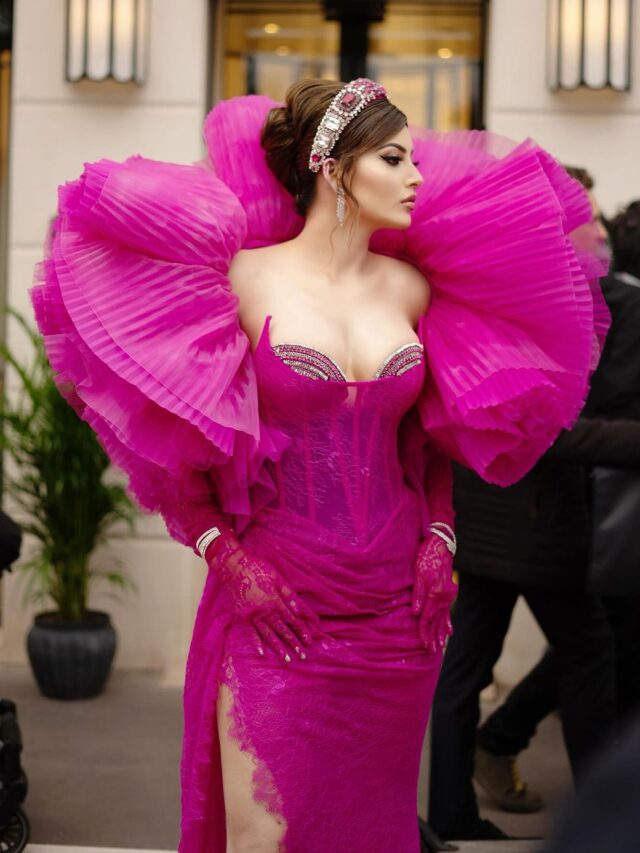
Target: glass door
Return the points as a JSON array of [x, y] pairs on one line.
[[428, 53], [268, 46]]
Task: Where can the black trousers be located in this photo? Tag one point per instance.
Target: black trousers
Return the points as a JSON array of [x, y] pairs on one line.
[[510, 728], [575, 626], [623, 613]]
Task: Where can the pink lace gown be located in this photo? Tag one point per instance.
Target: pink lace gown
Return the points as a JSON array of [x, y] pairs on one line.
[[338, 737], [321, 476]]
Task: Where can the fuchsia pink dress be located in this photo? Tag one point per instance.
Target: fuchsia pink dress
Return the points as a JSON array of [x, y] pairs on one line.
[[323, 477]]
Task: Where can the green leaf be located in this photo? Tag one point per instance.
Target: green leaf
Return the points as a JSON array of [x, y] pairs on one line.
[[58, 483]]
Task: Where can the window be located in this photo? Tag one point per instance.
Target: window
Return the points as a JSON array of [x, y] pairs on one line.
[[268, 46], [427, 53], [429, 56]]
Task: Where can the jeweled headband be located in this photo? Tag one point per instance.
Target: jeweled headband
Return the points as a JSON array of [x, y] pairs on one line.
[[346, 105]]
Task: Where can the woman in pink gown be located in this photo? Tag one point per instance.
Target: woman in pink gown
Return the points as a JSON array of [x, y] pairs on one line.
[[328, 498]]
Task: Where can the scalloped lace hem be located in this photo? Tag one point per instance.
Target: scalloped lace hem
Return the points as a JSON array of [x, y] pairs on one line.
[[263, 785]]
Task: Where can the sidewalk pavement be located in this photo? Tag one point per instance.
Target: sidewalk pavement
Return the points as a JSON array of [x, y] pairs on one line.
[[464, 847], [119, 754]]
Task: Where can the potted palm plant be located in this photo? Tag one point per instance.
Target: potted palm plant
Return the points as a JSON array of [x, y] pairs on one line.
[[57, 479]]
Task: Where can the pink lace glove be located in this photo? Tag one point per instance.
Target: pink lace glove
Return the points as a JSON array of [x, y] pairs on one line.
[[433, 592], [280, 617], [258, 591]]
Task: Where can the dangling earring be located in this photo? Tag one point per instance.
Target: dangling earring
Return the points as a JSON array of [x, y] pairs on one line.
[[340, 206]]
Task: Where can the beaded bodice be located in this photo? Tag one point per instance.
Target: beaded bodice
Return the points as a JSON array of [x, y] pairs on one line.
[[315, 364], [342, 468]]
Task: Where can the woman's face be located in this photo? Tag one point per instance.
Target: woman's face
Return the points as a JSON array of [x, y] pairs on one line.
[[385, 181]]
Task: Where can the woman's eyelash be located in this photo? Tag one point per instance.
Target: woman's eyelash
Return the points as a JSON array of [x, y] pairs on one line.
[[395, 160]]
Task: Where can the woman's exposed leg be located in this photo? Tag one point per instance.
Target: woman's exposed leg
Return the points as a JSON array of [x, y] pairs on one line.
[[250, 827]]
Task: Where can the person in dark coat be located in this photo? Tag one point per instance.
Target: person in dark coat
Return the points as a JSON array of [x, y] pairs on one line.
[[529, 540], [615, 394]]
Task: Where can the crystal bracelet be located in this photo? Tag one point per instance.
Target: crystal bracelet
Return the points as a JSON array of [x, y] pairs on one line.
[[447, 528], [206, 539], [450, 543]]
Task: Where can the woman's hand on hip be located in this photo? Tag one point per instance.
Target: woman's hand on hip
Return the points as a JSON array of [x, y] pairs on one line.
[[434, 591], [260, 594]]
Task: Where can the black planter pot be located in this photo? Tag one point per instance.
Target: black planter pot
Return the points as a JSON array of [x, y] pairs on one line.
[[71, 660]]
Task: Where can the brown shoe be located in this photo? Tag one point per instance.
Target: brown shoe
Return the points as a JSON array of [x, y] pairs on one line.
[[499, 777]]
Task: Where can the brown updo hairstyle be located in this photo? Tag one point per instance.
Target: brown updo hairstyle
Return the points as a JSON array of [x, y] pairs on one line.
[[287, 137]]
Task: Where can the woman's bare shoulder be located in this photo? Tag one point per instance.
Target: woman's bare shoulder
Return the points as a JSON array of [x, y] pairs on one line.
[[408, 284], [246, 261], [250, 267], [253, 276]]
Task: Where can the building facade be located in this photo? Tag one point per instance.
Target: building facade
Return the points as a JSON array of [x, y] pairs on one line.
[[496, 74]]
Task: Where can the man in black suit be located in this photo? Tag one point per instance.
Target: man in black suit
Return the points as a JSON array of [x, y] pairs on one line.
[[615, 394]]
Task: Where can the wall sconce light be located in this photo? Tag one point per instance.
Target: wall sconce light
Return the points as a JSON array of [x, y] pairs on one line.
[[589, 44], [106, 40]]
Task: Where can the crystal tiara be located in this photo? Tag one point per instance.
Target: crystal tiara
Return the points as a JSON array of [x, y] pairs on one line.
[[345, 106]]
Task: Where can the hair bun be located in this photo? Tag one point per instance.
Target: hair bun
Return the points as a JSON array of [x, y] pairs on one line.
[[279, 143], [289, 131]]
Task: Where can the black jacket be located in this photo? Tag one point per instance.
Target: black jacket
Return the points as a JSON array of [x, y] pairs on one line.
[[615, 386], [537, 532]]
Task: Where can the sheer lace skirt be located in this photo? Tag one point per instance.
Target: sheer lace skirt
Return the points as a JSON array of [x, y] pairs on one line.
[[336, 739]]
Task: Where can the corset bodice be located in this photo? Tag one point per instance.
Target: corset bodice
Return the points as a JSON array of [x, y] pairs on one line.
[[342, 468]]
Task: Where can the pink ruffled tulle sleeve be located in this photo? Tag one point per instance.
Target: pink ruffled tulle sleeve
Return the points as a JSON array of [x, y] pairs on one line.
[[517, 319], [141, 329], [232, 134]]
